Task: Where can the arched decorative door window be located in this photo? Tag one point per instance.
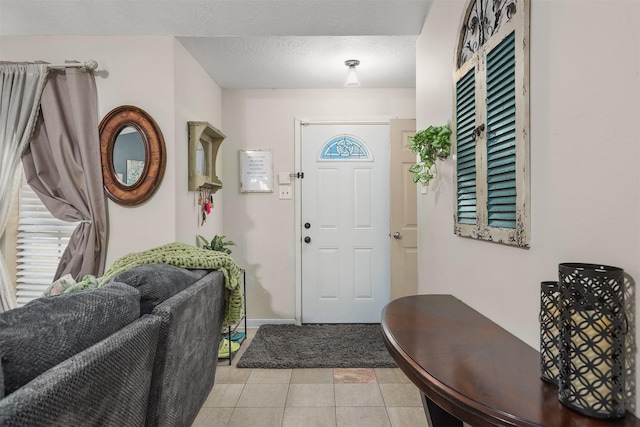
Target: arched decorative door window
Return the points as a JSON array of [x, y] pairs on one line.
[[491, 123], [345, 147]]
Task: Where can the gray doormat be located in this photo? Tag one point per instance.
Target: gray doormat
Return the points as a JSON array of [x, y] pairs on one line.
[[317, 346]]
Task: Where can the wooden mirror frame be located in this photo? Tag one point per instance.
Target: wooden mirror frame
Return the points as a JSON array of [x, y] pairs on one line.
[[154, 155]]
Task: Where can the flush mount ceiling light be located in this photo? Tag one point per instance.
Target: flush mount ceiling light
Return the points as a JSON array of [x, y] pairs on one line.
[[352, 75]]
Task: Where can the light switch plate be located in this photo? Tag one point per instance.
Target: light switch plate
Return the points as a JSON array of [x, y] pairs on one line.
[[285, 192], [284, 178]]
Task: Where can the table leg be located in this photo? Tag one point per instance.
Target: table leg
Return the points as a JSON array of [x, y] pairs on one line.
[[436, 416]]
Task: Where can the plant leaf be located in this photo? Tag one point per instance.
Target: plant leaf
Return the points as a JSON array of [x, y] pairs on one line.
[[415, 168]]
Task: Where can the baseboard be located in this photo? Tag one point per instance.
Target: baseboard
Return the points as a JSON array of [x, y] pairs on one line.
[[256, 323]]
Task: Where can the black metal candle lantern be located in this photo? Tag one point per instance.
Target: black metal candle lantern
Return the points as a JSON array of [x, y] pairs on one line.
[[549, 332], [592, 328]]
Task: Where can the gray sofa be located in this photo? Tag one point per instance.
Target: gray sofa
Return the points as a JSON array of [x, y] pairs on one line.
[[141, 350]]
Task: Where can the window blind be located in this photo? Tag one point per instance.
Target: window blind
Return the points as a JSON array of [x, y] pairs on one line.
[[41, 240]]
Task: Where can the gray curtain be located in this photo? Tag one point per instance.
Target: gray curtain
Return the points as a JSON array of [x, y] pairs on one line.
[[20, 90], [62, 165]]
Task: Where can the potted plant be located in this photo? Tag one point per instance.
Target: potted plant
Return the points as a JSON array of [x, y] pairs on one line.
[[429, 144], [217, 244]]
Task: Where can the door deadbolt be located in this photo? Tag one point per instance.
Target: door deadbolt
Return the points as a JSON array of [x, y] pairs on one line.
[[307, 225]]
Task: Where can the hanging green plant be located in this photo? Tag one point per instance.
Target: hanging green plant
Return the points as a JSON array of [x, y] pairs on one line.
[[430, 144]]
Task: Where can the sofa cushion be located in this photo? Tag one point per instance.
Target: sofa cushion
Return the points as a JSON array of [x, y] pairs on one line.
[[158, 282], [48, 330]]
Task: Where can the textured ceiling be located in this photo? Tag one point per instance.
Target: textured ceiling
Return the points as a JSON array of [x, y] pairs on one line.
[[251, 43]]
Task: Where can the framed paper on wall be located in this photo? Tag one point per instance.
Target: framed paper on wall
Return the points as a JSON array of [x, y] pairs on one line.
[[256, 171]]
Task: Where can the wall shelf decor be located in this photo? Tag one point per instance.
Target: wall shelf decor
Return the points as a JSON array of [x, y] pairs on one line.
[[204, 142]]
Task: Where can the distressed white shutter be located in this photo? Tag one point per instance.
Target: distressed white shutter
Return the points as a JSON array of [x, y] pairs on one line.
[[491, 123]]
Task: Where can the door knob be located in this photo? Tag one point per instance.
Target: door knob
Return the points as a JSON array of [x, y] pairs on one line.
[[307, 239], [397, 235]]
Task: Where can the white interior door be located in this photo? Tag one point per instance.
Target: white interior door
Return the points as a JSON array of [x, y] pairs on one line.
[[345, 222], [404, 211]]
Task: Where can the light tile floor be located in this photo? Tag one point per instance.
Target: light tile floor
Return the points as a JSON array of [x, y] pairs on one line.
[[331, 397]]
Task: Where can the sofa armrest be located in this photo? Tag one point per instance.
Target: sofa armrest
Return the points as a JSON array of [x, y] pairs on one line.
[[106, 384], [187, 357]]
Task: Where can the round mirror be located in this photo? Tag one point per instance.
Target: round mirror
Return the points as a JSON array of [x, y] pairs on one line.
[[133, 155], [201, 162], [128, 156]]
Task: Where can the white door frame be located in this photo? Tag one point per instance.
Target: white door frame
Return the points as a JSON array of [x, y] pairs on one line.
[[297, 192]]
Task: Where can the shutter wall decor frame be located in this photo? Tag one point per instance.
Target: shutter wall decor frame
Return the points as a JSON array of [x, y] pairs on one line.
[[501, 129]]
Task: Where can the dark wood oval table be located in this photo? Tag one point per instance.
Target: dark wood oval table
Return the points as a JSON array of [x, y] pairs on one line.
[[471, 370]]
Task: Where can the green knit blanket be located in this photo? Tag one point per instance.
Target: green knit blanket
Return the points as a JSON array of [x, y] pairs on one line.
[[187, 256]]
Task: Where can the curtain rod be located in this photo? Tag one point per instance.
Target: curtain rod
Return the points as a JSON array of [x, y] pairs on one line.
[[90, 65]]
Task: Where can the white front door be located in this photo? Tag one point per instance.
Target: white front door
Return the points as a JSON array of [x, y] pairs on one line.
[[345, 222]]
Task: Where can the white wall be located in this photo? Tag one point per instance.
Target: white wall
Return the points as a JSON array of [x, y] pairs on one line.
[[159, 76], [261, 224], [197, 98], [585, 182]]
